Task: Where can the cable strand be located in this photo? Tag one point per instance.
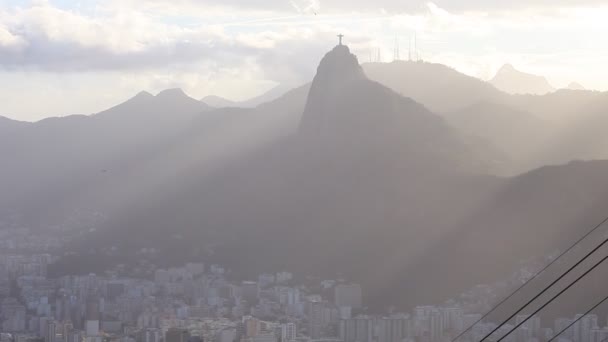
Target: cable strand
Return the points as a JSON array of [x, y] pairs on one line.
[[553, 298], [531, 279]]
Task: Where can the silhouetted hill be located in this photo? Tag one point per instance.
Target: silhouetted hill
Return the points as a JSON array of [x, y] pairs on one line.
[[513, 81], [354, 115], [581, 137], [9, 126], [6, 123], [342, 176], [367, 171], [561, 107], [575, 86], [549, 127], [496, 124], [268, 96], [106, 160], [533, 214], [438, 87], [218, 102]]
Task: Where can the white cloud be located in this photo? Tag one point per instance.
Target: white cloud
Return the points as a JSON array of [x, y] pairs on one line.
[[8, 40], [350, 6]]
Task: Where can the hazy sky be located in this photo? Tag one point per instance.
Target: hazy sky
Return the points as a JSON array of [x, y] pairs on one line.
[[61, 57]]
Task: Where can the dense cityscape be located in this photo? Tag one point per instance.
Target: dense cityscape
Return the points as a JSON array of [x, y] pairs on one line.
[[197, 302]]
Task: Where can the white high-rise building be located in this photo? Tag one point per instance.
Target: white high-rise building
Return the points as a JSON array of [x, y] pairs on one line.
[[529, 329], [599, 335], [92, 328], [392, 329], [288, 332], [436, 325], [152, 335], [316, 318], [453, 319], [582, 329]]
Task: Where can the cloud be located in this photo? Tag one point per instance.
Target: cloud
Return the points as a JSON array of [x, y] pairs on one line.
[[59, 40], [348, 6], [10, 43], [44, 38]]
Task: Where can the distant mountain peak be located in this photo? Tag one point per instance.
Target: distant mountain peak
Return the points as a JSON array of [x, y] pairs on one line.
[[507, 68], [266, 97], [339, 64], [576, 86], [513, 81], [172, 92], [345, 109], [144, 94], [218, 101]]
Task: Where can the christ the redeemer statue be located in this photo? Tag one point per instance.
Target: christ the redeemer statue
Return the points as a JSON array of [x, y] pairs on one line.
[[340, 36]]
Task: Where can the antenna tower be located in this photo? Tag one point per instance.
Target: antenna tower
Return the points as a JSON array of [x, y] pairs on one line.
[[396, 56]]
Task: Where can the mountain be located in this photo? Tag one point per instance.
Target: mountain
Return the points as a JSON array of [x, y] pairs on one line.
[[57, 156], [268, 96], [534, 214], [218, 102], [6, 122], [575, 86], [550, 127], [342, 177], [582, 136], [444, 90], [513, 81], [105, 160], [348, 111], [496, 124], [438, 87], [365, 171], [169, 104], [8, 125]]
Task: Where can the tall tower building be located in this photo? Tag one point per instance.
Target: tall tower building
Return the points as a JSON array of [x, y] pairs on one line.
[[436, 325], [453, 319], [92, 314], [316, 319], [68, 328], [51, 331], [288, 332]]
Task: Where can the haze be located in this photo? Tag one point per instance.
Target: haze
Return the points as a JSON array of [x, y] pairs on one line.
[[303, 171]]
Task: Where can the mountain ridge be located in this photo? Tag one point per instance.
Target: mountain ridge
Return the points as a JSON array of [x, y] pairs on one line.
[[345, 175], [268, 96]]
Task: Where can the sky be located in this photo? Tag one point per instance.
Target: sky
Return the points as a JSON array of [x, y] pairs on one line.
[[62, 57]]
